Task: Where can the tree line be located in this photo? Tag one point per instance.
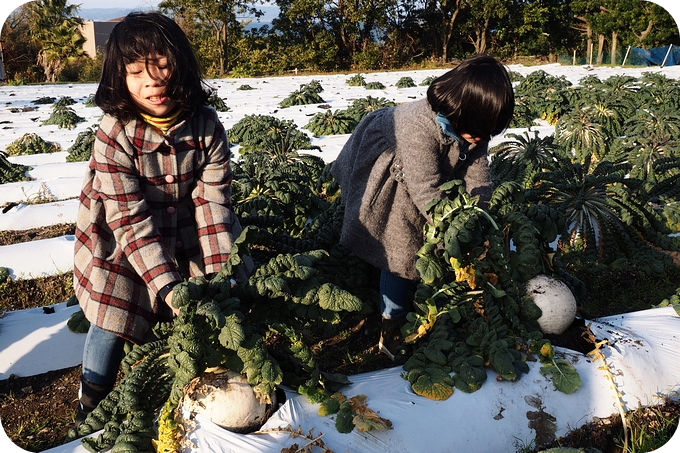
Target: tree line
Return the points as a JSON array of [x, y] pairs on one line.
[[42, 42]]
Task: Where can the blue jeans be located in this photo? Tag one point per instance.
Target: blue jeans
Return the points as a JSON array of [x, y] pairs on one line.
[[396, 295], [102, 355]]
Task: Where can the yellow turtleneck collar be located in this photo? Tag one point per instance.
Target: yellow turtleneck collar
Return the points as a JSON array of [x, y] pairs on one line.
[[163, 124]]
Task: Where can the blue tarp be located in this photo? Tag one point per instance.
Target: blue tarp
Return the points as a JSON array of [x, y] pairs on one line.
[[659, 56]]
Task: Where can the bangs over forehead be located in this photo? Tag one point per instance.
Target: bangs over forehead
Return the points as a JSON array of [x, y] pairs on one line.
[[141, 36]]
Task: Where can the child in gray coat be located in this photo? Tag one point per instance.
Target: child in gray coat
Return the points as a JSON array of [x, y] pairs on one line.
[[397, 158]]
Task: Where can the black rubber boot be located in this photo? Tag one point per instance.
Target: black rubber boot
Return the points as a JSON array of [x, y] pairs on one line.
[[90, 396]]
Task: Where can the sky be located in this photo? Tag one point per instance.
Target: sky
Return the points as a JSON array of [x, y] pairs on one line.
[[7, 6]]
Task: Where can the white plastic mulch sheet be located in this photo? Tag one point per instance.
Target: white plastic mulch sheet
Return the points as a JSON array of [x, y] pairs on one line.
[[41, 258], [37, 340], [643, 355], [26, 216]]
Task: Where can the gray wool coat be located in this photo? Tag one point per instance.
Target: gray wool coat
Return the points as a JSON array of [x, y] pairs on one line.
[[389, 170]]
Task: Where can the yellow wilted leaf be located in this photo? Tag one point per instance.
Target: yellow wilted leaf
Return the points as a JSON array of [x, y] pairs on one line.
[[547, 351], [365, 424], [466, 273], [426, 326], [169, 435], [455, 264], [422, 330], [434, 390], [366, 419], [360, 405]]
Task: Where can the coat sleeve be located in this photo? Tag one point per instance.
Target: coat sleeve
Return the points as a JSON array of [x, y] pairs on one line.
[[217, 225], [127, 213], [477, 176]]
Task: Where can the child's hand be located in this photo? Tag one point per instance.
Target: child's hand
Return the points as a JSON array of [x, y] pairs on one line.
[[168, 300]]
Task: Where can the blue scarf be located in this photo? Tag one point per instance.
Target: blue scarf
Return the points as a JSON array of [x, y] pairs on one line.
[[448, 130]]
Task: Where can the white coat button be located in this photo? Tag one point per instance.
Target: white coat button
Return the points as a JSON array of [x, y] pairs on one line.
[[169, 179], [170, 210]]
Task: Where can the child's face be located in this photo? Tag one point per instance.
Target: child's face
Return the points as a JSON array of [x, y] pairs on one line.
[[147, 81], [470, 139]]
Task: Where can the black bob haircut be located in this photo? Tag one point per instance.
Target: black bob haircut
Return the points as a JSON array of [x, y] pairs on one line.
[[476, 96], [132, 40]]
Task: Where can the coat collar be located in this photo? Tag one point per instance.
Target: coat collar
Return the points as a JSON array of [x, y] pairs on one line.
[[147, 138]]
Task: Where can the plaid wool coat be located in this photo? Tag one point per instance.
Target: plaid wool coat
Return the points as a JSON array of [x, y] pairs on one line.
[[153, 209]]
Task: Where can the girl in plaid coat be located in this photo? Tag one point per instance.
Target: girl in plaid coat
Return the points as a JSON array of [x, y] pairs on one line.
[[155, 203]]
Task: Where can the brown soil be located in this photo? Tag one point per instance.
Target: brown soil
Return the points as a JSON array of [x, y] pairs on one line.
[[37, 411], [607, 434], [9, 237], [22, 294]]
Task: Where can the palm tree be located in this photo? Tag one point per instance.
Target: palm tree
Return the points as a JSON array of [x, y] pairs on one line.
[[54, 27]]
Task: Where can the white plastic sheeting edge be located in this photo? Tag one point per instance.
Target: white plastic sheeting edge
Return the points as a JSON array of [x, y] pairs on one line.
[[643, 355]]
